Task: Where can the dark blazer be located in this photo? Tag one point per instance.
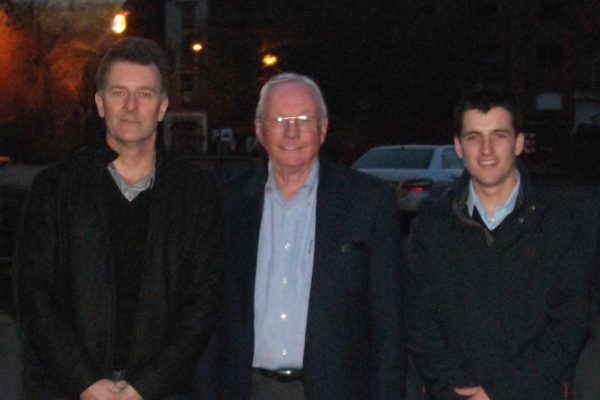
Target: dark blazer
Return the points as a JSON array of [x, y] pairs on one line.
[[354, 338], [65, 289]]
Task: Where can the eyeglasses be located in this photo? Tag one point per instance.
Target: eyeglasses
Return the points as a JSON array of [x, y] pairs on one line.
[[305, 123]]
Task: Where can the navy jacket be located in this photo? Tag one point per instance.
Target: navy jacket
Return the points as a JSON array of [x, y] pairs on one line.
[[354, 337]]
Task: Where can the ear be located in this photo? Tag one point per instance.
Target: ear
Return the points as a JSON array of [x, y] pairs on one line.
[[99, 104], [458, 147], [164, 104], [519, 143], [258, 131], [323, 124]]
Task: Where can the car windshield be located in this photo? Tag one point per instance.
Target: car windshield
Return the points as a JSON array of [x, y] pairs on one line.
[[399, 157]]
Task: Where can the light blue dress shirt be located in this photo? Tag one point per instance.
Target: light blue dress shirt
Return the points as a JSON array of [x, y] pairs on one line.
[[502, 211], [283, 274]]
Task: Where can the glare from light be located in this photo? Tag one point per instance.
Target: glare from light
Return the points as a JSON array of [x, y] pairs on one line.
[[119, 23], [197, 47], [269, 60]]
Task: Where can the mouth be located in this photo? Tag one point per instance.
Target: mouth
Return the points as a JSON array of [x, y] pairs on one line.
[[290, 148], [487, 163]]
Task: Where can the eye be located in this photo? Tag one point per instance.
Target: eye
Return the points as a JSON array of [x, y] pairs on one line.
[[279, 120], [144, 95], [302, 118], [117, 92], [501, 134]]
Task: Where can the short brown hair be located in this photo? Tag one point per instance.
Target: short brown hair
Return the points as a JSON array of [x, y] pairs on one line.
[[138, 51], [483, 98]]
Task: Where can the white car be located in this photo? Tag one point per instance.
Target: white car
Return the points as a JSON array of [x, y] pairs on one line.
[[417, 172]]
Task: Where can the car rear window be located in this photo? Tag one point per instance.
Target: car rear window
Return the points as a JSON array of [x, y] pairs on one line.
[[401, 157]]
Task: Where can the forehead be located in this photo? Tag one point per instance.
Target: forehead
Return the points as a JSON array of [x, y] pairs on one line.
[[124, 73], [291, 97], [494, 118]]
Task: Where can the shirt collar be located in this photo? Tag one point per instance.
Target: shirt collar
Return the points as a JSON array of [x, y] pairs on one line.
[[500, 212], [131, 192], [310, 183]]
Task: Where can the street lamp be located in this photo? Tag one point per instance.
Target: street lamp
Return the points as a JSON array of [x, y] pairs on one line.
[[119, 22], [197, 46], [269, 60]]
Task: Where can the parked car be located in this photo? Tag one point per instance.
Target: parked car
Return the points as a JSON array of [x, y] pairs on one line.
[[417, 173]]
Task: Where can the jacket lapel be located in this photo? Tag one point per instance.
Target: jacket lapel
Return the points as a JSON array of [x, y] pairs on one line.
[[332, 201]]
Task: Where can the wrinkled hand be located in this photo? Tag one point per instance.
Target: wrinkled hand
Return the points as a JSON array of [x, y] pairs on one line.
[[103, 389], [472, 393], [128, 393]]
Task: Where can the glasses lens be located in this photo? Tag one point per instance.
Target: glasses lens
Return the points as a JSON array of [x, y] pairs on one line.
[[305, 123]]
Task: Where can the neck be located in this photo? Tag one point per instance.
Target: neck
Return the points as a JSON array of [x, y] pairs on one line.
[[134, 162], [491, 197], [290, 182]]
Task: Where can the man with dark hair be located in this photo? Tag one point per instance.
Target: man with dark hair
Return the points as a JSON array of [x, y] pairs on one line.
[[118, 262], [497, 301], [313, 305]]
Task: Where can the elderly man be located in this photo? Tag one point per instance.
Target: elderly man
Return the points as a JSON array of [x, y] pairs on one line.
[[118, 264], [313, 277], [497, 297]]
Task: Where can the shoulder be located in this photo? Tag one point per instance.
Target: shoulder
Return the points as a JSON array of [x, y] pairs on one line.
[[344, 178]]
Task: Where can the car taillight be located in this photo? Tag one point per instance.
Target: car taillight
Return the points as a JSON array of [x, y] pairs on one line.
[[416, 185]]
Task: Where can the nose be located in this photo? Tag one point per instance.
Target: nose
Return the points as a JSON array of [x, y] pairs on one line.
[[486, 145], [131, 102], [291, 129]]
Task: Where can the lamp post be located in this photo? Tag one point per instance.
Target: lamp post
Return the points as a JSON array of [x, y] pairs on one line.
[[119, 22], [269, 60]]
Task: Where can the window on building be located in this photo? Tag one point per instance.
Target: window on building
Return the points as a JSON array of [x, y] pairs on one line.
[[549, 101]]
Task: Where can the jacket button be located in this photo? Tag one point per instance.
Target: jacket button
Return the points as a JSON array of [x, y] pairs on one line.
[[532, 207], [521, 220]]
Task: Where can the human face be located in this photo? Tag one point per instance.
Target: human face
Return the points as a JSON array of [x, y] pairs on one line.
[[131, 104], [489, 146], [291, 150]]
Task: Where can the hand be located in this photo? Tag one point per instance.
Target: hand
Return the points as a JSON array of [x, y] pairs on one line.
[[472, 393], [128, 393], [103, 389]]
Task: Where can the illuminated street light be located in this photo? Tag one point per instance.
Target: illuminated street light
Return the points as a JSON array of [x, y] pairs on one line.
[[269, 60], [119, 23], [197, 46]]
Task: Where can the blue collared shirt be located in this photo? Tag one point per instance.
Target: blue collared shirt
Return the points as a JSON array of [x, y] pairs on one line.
[[502, 211], [283, 274]]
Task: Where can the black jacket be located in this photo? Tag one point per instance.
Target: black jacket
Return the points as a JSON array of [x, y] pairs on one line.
[[354, 346], [65, 293], [508, 311]]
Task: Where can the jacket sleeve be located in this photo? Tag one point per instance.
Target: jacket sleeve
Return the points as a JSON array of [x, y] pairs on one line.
[[39, 291], [427, 344], [388, 357], [199, 305], [547, 359]]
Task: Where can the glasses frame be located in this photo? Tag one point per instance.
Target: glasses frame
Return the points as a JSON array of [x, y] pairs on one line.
[[282, 124]]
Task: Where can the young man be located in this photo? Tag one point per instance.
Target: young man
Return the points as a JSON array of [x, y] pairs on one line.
[[313, 278], [497, 298], [118, 261]]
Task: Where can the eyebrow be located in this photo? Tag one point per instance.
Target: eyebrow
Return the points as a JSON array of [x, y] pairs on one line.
[[478, 132], [144, 88]]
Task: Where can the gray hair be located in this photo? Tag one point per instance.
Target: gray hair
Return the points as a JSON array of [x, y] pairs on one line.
[[288, 77]]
